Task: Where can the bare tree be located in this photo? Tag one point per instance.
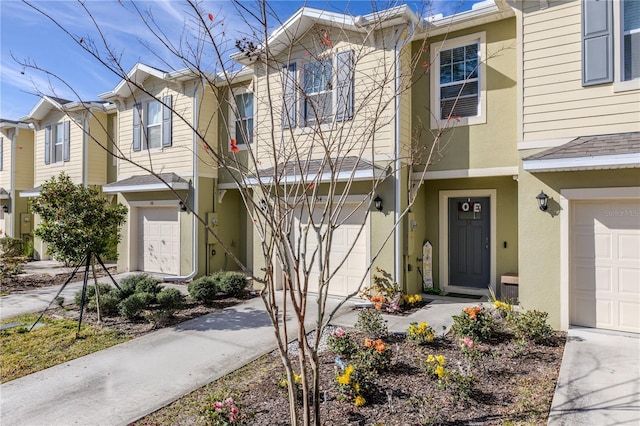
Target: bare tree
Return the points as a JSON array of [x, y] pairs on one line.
[[328, 137]]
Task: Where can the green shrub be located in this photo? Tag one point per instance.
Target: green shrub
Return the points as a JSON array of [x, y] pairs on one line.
[[204, 289], [475, 322], [374, 356], [147, 298], [128, 284], [109, 303], [91, 294], [233, 284], [170, 300], [532, 325], [131, 307], [148, 285], [11, 247], [11, 257], [371, 323]]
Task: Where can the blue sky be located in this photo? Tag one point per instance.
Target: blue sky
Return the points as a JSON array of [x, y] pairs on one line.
[[27, 35]]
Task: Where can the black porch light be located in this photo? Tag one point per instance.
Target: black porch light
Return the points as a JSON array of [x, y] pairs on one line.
[[5, 209], [182, 206], [542, 200], [378, 203]]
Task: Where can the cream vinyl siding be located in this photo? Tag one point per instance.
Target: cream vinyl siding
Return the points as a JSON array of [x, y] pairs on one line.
[[372, 67], [74, 167], [24, 160], [178, 158], [5, 170], [555, 104], [208, 111], [97, 156]]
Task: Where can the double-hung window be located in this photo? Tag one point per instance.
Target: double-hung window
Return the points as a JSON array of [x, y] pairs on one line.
[[57, 142], [152, 124], [631, 39], [458, 81], [317, 83], [324, 89], [243, 118]]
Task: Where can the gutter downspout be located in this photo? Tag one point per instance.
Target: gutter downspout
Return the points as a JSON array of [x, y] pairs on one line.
[[12, 182], [399, 272], [194, 248]]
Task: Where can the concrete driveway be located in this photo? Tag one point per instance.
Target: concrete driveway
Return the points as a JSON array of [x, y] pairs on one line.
[[599, 381]]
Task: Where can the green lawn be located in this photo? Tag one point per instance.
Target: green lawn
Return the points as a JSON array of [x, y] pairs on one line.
[[24, 352]]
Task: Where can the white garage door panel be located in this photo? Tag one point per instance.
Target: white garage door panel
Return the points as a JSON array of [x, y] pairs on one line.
[[347, 236], [159, 240], [605, 264]]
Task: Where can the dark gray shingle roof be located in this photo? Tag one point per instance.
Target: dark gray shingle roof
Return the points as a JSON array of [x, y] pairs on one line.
[[592, 146]]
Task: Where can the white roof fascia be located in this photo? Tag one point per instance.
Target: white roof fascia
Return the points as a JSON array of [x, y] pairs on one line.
[[8, 124], [149, 187], [358, 175], [29, 193], [614, 161]]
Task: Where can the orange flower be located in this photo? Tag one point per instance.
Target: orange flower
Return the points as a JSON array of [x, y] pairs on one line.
[[378, 306], [379, 345], [368, 342], [473, 312]]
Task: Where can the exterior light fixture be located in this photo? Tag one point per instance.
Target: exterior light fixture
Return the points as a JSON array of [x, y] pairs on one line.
[[542, 200], [378, 203], [181, 206], [5, 209], [263, 205]]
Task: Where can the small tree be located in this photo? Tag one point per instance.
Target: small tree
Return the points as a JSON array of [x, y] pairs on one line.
[[76, 222]]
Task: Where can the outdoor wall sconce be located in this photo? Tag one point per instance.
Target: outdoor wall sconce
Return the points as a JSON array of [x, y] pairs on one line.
[[542, 200], [378, 203], [5, 209], [181, 206], [263, 205]]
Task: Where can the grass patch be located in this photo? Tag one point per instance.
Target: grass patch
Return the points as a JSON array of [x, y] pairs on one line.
[[24, 352]]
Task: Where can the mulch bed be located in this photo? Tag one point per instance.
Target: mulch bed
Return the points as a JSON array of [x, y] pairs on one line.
[[24, 282]]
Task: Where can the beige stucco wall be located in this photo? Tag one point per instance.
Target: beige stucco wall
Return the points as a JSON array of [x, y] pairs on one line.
[[539, 232], [426, 213], [555, 104], [477, 146]]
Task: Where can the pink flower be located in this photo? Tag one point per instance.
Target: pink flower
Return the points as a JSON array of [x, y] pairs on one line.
[[218, 405], [468, 342], [339, 332], [233, 417], [229, 401]]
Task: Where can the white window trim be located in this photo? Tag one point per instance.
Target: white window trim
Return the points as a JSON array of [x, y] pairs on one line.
[[327, 123], [620, 85], [232, 116], [145, 125], [435, 49]]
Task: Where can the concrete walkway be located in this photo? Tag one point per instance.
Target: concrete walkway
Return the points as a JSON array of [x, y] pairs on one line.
[[599, 381]]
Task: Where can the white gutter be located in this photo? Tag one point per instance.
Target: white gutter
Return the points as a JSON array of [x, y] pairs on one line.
[[613, 161], [398, 269], [12, 182], [194, 247]]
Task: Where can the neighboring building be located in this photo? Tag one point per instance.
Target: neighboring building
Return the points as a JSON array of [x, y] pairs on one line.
[[579, 143], [161, 235], [70, 137], [16, 174]]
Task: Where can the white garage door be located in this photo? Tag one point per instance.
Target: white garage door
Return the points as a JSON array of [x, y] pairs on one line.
[[349, 234], [605, 264], [159, 240]]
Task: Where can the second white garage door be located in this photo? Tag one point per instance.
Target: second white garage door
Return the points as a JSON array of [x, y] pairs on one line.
[[159, 240], [349, 234], [605, 264]]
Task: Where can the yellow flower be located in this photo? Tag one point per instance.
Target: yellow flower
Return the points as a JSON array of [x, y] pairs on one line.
[[440, 371], [418, 298], [356, 387], [348, 370], [344, 379], [430, 358], [359, 401], [440, 359], [297, 379]]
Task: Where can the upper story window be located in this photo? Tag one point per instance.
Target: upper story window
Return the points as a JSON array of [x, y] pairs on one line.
[[57, 142], [152, 125], [611, 43], [458, 81], [324, 90], [631, 39], [243, 125], [317, 83]]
